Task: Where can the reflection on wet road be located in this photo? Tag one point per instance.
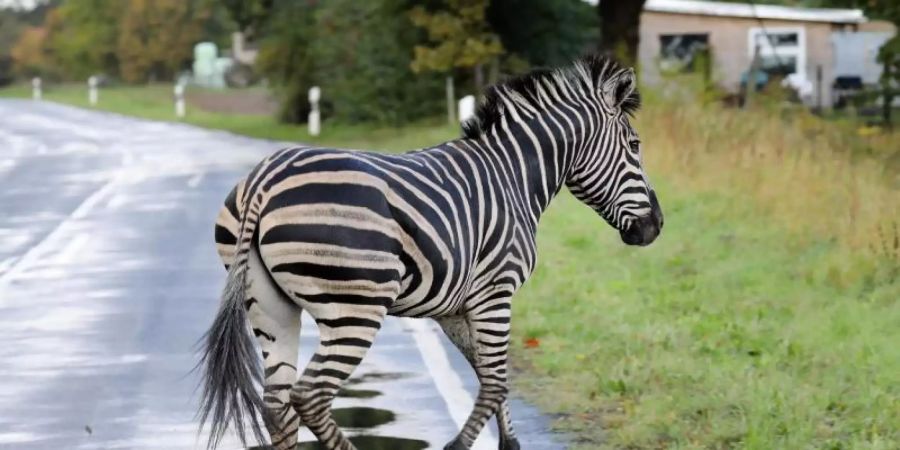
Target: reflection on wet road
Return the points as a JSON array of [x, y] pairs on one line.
[[108, 276]]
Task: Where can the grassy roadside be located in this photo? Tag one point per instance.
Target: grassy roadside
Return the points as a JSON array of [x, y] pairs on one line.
[[765, 317], [156, 102]]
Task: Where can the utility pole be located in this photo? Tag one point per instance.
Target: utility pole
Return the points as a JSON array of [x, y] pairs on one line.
[[750, 86], [819, 82], [451, 101], [887, 95]]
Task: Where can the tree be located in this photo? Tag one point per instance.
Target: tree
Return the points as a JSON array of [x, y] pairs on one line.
[[545, 33], [620, 23], [157, 36], [29, 54], [10, 30], [83, 35], [362, 59], [249, 15], [284, 56], [358, 52], [460, 36]]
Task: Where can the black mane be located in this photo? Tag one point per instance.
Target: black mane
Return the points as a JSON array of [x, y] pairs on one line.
[[596, 68]]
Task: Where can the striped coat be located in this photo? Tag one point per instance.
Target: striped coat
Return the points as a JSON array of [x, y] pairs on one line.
[[446, 232]]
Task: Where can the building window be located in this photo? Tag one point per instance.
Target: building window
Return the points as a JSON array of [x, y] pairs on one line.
[[782, 50], [682, 52]]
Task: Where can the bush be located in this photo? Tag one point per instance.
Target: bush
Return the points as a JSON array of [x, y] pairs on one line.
[[6, 71], [358, 53]]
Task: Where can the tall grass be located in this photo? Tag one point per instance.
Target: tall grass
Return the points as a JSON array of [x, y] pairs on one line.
[[764, 317], [813, 178]]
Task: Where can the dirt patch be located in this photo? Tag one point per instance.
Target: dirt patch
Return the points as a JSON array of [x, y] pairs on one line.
[[242, 101]]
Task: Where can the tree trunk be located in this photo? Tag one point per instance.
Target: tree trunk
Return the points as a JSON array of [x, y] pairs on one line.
[[888, 93], [451, 101], [479, 78], [620, 22], [494, 72]]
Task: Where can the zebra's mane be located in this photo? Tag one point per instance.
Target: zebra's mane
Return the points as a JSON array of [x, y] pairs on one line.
[[527, 93]]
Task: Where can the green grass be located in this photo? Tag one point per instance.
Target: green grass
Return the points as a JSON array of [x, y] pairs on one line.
[[765, 317], [726, 333]]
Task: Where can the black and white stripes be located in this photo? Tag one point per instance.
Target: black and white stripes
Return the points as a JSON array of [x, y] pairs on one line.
[[446, 232]]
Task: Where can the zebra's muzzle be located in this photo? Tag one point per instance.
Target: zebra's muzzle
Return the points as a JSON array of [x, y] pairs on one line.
[[644, 230]]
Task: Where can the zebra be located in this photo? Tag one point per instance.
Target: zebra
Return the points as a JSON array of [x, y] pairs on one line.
[[446, 232]]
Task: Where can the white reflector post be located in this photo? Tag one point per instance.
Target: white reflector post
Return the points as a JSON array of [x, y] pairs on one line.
[[36, 88], [314, 120], [92, 90], [179, 101], [466, 108]]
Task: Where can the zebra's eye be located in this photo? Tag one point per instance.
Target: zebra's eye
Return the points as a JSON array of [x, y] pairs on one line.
[[635, 145]]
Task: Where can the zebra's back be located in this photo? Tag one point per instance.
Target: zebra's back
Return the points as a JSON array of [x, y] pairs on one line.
[[346, 223]]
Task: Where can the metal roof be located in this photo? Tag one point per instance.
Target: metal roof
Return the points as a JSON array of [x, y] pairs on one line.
[[761, 11], [705, 8]]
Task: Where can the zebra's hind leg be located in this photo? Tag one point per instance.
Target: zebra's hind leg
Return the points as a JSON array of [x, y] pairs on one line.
[[275, 319], [343, 342], [485, 349]]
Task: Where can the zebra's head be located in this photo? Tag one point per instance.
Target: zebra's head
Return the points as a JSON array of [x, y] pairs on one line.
[[608, 175]]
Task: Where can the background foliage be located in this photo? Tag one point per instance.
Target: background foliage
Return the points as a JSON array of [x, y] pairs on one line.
[[157, 37]]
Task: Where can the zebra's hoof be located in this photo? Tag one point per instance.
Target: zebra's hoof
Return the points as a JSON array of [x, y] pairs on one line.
[[509, 444], [456, 444]]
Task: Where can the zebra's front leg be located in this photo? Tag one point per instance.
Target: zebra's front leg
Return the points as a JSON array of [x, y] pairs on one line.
[[343, 342], [275, 320], [488, 336], [458, 329]]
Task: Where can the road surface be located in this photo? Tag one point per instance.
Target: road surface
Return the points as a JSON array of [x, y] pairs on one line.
[[109, 276]]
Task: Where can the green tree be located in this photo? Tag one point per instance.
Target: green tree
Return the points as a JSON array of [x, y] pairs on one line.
[[83, 37], [284, 56], [251, 16], [620, 23], [357, 52], [29, 54], [10, 29], [362, 61], [460, 37], [544, 32], [156, 37]]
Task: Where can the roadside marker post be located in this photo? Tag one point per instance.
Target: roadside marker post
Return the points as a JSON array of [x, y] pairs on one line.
[[93, 95], [179, 101], [466, 108], [314, 119], [36, 93]]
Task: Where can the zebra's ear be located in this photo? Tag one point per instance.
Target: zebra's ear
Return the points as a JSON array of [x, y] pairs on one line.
[[618, 88]]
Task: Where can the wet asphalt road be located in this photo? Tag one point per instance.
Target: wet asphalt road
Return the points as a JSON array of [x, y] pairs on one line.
[[108, 276]]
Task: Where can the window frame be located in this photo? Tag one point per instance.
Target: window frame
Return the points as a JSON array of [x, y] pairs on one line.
[[766, 50]]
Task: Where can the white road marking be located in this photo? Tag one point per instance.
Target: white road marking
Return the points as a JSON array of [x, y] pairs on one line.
[[6, 264], [116, 201], [50, 242], [194, 181], [448, 383], [72, 251]]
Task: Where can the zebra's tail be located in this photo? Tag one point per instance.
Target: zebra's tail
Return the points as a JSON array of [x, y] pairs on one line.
[[232, 368]]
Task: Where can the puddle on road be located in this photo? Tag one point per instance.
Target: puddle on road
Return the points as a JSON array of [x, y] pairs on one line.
[[373, 443], [372, 377], [358, 393], [360, 418]]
